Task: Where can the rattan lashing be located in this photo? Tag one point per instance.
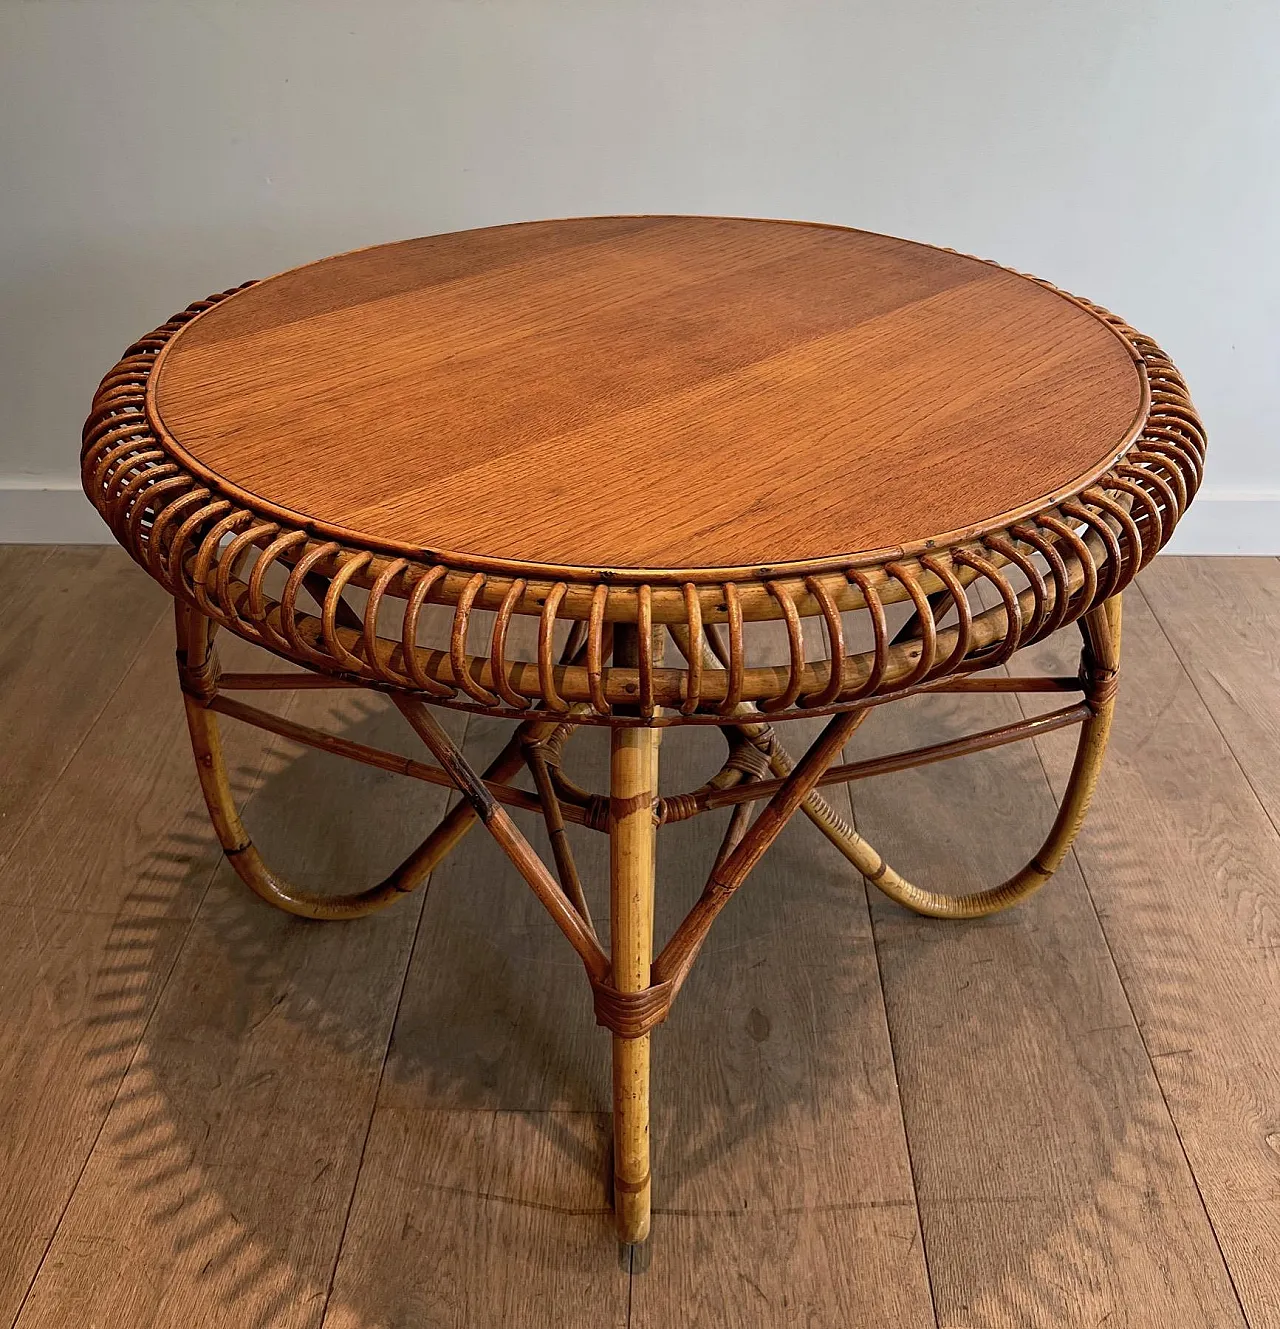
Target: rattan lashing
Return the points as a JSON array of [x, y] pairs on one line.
[[974, 597]]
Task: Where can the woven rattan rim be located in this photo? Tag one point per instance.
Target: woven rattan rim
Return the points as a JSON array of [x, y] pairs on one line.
[[1046, 567]]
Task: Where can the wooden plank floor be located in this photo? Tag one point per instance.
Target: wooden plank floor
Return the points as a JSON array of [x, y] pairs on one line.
[[213, 1114]]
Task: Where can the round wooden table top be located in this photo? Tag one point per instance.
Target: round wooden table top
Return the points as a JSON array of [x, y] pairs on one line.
[[648, 393]]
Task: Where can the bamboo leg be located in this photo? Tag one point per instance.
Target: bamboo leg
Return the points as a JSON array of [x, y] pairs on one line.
[[633, 786], [633, 791]]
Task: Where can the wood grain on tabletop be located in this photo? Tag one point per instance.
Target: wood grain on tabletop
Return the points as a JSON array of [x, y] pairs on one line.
[[715, 392]]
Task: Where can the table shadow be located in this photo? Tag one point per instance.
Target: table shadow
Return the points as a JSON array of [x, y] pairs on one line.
[[751, 1069]]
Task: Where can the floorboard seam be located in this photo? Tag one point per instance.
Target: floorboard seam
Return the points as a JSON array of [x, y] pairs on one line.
[[1115, 968], [631, 1282], [179, 950], [897, 1081], [1182, 664], [386, 1053], [20, 588], [53, 780]]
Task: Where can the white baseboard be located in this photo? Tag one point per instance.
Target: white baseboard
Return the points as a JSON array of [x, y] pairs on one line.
[[1228, 522], [51, 511], [54, 511]]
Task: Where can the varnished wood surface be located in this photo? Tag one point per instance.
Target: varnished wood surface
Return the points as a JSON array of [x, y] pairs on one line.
[[215, 1114], [658, 392]]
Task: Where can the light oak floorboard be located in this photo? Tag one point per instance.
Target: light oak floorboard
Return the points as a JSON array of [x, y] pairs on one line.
[[768, 1151], [18, 565], [1184, 865], [97, 895], [1051, 1184], [483, 1198], [71, 622], [497, 1012], [782, 1187], [481, 1218], [1222, 618], [220, 1184], [74, 1005], [1050, 1161]]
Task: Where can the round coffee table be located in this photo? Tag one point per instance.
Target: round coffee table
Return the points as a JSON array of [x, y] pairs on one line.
[[638, 472]]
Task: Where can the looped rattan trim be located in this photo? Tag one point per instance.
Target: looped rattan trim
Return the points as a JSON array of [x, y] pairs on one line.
[[221, 554]]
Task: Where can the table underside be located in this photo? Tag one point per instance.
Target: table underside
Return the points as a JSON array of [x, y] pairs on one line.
[[632, 989]]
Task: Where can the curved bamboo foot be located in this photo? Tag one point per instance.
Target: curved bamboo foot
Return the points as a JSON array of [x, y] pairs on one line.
[[1101, 628], [198, 669], [242, 854]]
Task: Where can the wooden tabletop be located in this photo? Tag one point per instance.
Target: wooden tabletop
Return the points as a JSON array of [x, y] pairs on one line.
[[650, 392]]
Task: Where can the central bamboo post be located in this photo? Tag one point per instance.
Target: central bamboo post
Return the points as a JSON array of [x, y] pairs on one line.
[[633, 790]]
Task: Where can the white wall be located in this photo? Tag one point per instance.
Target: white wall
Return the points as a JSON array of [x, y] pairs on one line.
[[154, 150]]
